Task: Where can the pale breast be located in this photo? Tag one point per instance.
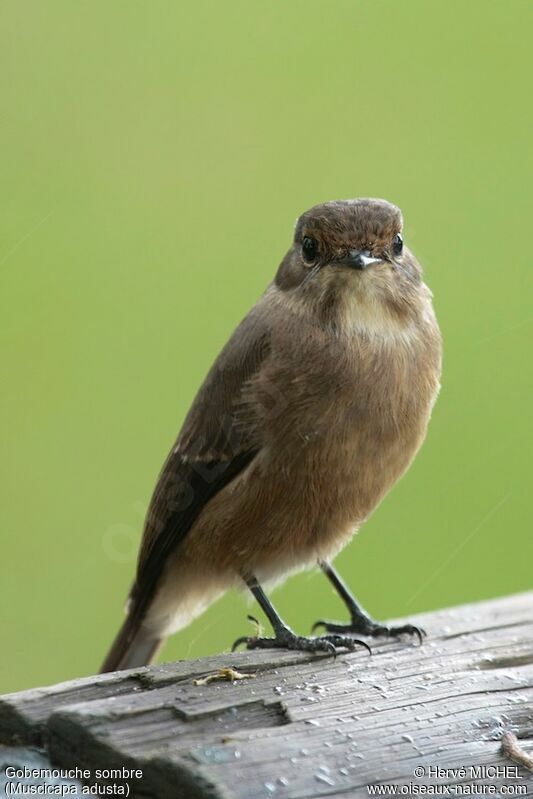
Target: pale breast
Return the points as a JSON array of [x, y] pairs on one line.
[[348, 419]]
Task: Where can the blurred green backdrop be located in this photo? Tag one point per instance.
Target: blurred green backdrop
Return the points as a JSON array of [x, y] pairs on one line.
[[154, 159]]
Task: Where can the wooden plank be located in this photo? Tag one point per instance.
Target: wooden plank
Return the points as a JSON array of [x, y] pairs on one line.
[[306, 726]]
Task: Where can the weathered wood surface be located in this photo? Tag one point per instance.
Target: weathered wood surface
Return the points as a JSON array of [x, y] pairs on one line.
[[306, 726]]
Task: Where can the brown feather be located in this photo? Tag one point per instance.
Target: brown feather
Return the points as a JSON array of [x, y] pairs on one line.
[[312, 411]]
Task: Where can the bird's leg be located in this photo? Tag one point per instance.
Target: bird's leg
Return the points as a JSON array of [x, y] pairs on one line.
[[285, 638], [361, 623]]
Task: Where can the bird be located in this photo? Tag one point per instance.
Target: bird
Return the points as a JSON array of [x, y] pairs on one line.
[[312, 411]]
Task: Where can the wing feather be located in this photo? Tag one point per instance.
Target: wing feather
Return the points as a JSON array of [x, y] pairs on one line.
[[214, 446]]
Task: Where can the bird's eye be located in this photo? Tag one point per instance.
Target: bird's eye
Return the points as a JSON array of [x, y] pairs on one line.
[[397, 245], [309, 249]]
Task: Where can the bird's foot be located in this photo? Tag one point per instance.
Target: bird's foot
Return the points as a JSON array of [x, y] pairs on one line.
[[364, 626], [286, 639]]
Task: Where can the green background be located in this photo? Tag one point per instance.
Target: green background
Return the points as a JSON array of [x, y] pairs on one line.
[[154, 159]]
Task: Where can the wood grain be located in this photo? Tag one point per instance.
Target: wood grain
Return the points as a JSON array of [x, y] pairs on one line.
[[305, 726]]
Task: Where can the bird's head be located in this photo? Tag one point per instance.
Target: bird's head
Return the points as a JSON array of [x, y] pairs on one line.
[[351, 252]]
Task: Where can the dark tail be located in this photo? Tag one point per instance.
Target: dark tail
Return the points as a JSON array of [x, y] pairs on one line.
[[133, 646]]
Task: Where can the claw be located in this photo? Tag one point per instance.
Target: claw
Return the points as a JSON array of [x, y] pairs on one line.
[[331, 649], [412, 629], [364, 644], [327, 643], [244, 639], [318, 624], [371, 628], [257, 625], [347, 641], [407, 629]]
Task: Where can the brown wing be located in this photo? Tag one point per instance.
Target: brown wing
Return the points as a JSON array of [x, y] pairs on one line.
[[212, 448]]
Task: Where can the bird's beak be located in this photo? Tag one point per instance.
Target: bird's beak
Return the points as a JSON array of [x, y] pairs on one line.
[[358, 259]]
